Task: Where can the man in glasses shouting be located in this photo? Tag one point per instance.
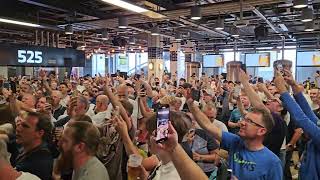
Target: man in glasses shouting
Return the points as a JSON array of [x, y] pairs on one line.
[[248, 157]]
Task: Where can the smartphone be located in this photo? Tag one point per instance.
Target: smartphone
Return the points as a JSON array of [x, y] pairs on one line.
[[260, 79], [237, 91], [163, 118], [137, 76], [7, 85], [280, 68], [195, 94]]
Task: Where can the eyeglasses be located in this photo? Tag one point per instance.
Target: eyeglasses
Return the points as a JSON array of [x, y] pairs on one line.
[[245, 119]]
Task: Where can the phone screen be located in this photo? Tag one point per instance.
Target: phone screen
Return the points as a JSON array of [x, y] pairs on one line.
[[163, 115], [195, 94], [237, 90], [7, 85]]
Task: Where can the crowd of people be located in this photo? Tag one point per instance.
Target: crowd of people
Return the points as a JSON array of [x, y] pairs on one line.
[[88, 128]]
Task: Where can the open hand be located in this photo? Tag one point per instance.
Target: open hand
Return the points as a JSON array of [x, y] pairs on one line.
[[288, 77], [120, 125], [280, 83], [243, 77]]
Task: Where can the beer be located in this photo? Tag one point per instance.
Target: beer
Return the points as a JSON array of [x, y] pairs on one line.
[[134, 164]]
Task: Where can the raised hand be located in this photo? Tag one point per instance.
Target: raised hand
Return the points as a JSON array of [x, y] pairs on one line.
[[243, 77], [120, 125], [42, 74], [288, 77], [280, 83]]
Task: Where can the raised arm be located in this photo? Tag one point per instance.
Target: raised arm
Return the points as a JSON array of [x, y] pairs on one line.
[[116, 102], [186, 167], [296, 112], [142, 107], [250, 92], [203, 120], [299, 97], [44, 82], [262, 87], [122, 129], [148, 88]]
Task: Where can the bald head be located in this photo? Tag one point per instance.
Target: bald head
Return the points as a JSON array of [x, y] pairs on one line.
[[56, 96], [122, 91]]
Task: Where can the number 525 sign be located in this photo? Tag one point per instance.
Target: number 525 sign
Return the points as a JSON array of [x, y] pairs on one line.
[[32, 57]]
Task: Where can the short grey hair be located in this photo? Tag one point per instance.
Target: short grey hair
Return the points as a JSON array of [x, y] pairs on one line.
[[209, 106]]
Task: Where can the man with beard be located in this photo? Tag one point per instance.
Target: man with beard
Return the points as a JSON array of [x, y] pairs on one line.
[[32, 132], [78, 145]]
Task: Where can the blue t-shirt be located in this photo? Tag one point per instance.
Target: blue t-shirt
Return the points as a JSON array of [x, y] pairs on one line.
[[235, 117], [251, 165]]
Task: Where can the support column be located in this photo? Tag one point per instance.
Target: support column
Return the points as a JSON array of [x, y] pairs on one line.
[[177, 60], [155, 57]]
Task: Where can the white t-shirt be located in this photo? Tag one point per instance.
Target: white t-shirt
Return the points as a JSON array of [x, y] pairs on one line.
[[64, 101], [99, 118], [167, 172], [220, 125], [135, 114], [27, 176]]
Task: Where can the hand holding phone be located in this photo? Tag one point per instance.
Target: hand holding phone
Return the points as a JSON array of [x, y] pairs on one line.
[[237, 91], [195, 94], [163, 117]]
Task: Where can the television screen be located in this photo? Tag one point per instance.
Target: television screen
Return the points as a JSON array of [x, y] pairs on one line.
[[309, 58], [257, 60], [210, 61]]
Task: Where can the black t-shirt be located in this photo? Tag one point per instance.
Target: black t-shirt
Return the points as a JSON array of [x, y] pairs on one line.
[[317, 112], [62, 121], [273, 141], [291, 128], [58, 112], [39, 162]]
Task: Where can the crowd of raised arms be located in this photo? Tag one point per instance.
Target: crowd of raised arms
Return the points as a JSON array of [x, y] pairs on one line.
[[90, 128]]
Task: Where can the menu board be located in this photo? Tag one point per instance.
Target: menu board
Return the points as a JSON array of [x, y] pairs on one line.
[[257, 60], [308, 58], [210, 61]]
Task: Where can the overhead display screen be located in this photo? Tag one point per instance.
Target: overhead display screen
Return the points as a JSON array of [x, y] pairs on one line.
[[210, 61], [257, 60], [12, 55], [309, 58]]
